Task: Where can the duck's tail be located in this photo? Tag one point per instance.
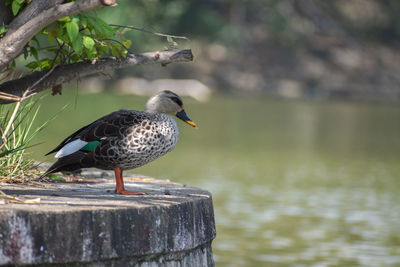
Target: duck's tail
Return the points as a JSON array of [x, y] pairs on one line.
[[71, 162]]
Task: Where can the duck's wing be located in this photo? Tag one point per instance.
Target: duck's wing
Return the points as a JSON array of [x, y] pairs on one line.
[[90, 136], [70, 138]]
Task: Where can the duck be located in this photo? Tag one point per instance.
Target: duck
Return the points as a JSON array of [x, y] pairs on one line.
[[123, 140]]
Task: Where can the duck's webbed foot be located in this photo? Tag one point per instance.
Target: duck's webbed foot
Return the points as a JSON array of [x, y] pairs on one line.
[[119, 184], [127, 192]]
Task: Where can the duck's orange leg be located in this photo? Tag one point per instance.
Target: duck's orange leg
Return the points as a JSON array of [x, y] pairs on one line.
[[119, 184]]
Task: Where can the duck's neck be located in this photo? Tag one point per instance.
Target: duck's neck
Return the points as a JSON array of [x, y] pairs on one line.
[[150, 109], [152, 106]]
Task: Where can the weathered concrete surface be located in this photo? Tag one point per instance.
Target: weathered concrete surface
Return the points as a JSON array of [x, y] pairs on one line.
[[82, 224]]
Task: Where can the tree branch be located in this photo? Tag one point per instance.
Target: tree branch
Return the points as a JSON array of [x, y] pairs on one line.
[[65, 73], [12, 43], [152, 32], [30, 11]]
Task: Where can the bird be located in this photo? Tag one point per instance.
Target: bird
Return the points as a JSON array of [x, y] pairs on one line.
[[124, 139]]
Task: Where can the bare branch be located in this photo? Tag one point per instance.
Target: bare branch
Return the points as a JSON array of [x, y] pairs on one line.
[[65, 73], [28, 92], [152, 32], [12, 44], [31, 11]]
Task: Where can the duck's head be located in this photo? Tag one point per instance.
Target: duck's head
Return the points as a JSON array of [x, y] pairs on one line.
[[170, 103]]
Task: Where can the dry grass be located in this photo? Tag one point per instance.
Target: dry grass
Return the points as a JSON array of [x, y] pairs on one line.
[[17, 133]]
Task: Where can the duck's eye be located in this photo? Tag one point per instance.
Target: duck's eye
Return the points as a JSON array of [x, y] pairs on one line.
[[177, 101]]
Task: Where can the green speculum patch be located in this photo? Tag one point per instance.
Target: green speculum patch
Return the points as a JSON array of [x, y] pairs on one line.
[[91, 146]]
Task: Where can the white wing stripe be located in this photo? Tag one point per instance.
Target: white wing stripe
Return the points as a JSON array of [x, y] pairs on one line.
[[70, 148]]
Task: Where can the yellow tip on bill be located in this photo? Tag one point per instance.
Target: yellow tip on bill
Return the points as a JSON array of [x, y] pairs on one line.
[[191, 123]]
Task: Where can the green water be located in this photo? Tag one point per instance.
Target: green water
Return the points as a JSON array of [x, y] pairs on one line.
[[293, 183]]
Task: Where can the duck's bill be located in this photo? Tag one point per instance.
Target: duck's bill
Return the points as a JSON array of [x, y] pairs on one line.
[[182, 115], [191, 123]]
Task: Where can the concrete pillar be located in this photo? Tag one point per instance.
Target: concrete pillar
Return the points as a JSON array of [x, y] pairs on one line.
[[86, 224]]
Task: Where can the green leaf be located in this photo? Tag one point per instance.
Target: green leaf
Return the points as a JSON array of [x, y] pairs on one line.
[[77, 45], [127, 43], [60, 40], [104, 49], [65, 19], [63, 38], [124, 52], [15, 6], [37, 41], [102, 29], [46, 63], [51, 39], [3, 29], [72, 30], [107, 29], [32, 65], [75, 19], [52, 31], [83, 20], [34, 53], [115, 52], [90, 54], [169, 39], [88, 42], [74, 57], [25, 53]]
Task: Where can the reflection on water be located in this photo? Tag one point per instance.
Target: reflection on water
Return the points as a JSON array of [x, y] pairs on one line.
[[293, 183]]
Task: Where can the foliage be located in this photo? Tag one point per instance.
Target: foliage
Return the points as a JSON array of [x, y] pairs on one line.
[[3, 30], [71, 39], [16, 135], [17, 5], [77, 38]]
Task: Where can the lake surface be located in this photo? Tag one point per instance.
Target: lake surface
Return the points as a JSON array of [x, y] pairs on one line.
[[294, 183]]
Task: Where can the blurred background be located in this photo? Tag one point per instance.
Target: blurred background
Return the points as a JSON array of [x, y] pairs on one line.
[[297, 104]]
